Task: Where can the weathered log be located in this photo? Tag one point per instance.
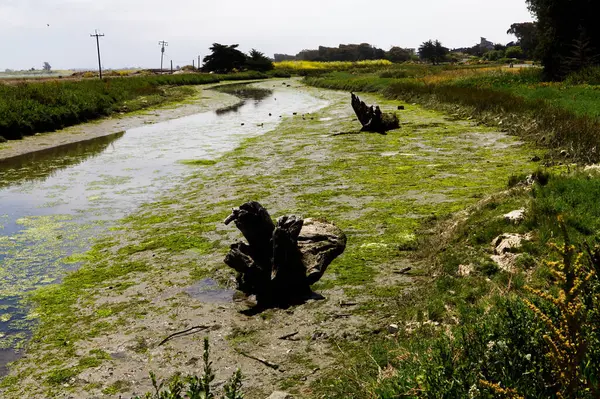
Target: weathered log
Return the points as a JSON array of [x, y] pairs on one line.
[[372, 119], [281, 261]]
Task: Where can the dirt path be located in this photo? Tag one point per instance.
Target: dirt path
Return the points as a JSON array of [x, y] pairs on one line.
[[162, 271], [204, 100]]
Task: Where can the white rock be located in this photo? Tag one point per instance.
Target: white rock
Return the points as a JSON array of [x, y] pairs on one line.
[[506, 262], [465, 270], [393, 328], [506, 242], [592, 169], [515, 216]]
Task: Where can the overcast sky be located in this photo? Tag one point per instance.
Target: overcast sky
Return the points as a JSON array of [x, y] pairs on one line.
[[57, 31]]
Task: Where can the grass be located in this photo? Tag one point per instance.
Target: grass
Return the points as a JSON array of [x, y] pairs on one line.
[[35, 107], [457, 331], [311, 68], [379, 200], [454, 331], [558, 115]]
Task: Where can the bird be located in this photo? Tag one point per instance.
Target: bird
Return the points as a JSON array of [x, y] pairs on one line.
[[48, 24]]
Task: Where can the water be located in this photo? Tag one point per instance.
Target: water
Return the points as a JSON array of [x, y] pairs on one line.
[[53, 203]]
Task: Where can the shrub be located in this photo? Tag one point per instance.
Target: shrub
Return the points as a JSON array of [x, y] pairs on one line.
[[197, 387], [589, 75]]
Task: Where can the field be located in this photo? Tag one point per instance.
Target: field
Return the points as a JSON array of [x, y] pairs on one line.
[[562, 116], [29, 107], [476, 143]]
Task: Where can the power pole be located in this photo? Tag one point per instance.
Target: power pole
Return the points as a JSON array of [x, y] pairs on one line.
[[198, 62], [171, 66], [98, 36], [162, 45], [193, 62]]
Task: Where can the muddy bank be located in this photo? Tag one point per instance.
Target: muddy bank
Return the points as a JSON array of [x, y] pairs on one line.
[[204, 100], [161, 270]]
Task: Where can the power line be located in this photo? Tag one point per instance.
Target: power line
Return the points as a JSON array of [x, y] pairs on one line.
[[163, 44], [98, 36]]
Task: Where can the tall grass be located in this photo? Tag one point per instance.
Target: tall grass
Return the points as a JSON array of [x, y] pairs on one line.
[[29, 108], [316, 68], [561, 117]]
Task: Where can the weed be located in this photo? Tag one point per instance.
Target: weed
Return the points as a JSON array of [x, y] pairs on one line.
[[197, 387]]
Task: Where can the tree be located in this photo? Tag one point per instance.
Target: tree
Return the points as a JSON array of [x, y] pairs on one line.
[[563, 26], [433, 52], [224, 59], [398, 54], [47, 67], [257, 61], [493, 55], [514, 52], [527, 37], [427, 51]]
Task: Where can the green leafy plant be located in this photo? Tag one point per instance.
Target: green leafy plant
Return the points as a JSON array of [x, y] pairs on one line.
[[197, 387]]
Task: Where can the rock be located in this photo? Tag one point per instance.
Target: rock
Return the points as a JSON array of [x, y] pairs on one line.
[[503, 250], [280, 395], [508, 241], [515, 216], [465, 270], [506, 262], [393, 328], [590, 169]]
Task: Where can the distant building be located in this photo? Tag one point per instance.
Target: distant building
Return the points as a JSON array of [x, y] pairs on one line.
[[485, 45]]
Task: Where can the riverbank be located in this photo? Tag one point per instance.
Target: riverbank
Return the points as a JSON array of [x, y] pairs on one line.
[[201, 99], [100, 328]]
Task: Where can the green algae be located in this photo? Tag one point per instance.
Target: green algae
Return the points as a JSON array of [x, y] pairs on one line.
[[378, 189]]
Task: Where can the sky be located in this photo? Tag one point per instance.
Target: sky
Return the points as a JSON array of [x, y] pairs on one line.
[[58, 31]]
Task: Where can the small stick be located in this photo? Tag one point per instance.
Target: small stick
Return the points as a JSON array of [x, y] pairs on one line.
[[267, 363], [199, 328], [287, 336]]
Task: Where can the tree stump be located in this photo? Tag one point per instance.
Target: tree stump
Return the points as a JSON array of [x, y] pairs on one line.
[[372, 119], [281, 261]]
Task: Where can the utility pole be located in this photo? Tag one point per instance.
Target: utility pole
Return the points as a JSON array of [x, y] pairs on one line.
[[193, 62], [198, 62], [162, 45], [98, 36], [171, 66]]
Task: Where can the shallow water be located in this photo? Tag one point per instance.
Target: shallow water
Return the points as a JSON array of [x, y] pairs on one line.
[[53, 203]]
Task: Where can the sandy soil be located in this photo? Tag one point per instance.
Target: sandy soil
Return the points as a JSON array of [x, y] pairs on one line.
[[204, 100]]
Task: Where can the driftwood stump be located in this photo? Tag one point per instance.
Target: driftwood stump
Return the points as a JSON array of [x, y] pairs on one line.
[[372, 119], [281, 261]]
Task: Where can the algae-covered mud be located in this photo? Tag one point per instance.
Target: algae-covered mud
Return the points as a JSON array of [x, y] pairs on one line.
[[160, 270], [53, 202]]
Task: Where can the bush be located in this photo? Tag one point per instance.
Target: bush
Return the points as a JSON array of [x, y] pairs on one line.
[[589, 75], [197, 387], [514, 52], [29, 108]]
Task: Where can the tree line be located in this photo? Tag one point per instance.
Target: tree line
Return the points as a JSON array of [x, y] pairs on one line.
[[225, 58], [350, 52]]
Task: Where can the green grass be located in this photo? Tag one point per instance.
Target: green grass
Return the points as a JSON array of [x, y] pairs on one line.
[[560, 116], [34, 107], [456, 331]]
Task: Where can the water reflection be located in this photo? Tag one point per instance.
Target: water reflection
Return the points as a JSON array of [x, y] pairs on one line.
[[41, 164], [245, 92]]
